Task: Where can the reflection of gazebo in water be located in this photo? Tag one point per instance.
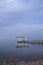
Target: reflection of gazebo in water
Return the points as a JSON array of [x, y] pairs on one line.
[[23, 40]]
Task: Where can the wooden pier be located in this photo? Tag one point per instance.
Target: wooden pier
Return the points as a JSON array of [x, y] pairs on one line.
[[23, 42]]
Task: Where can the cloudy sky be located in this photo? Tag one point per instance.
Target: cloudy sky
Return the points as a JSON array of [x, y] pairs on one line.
[[21, 17]]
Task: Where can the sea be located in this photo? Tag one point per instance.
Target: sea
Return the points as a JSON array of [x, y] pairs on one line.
[[8, 51]]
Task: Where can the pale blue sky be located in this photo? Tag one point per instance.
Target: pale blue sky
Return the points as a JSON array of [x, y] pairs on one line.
[[21, 17]]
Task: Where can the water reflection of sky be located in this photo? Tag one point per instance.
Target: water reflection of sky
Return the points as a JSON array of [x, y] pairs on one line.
[[11, 46]]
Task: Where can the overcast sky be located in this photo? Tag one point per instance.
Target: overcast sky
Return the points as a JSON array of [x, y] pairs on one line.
[[21, 17]]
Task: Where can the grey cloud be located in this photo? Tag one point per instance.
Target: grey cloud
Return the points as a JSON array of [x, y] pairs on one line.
[[17, 20]]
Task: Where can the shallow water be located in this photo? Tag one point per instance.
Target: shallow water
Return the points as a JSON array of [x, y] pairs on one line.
[[8, 50]]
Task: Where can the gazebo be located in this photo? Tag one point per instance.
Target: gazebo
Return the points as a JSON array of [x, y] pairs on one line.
[[22, 39]]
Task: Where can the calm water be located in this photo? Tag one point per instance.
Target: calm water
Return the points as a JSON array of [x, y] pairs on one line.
[[8, 50]]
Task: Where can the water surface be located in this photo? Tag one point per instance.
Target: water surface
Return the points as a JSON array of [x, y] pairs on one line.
[[8, 50]]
